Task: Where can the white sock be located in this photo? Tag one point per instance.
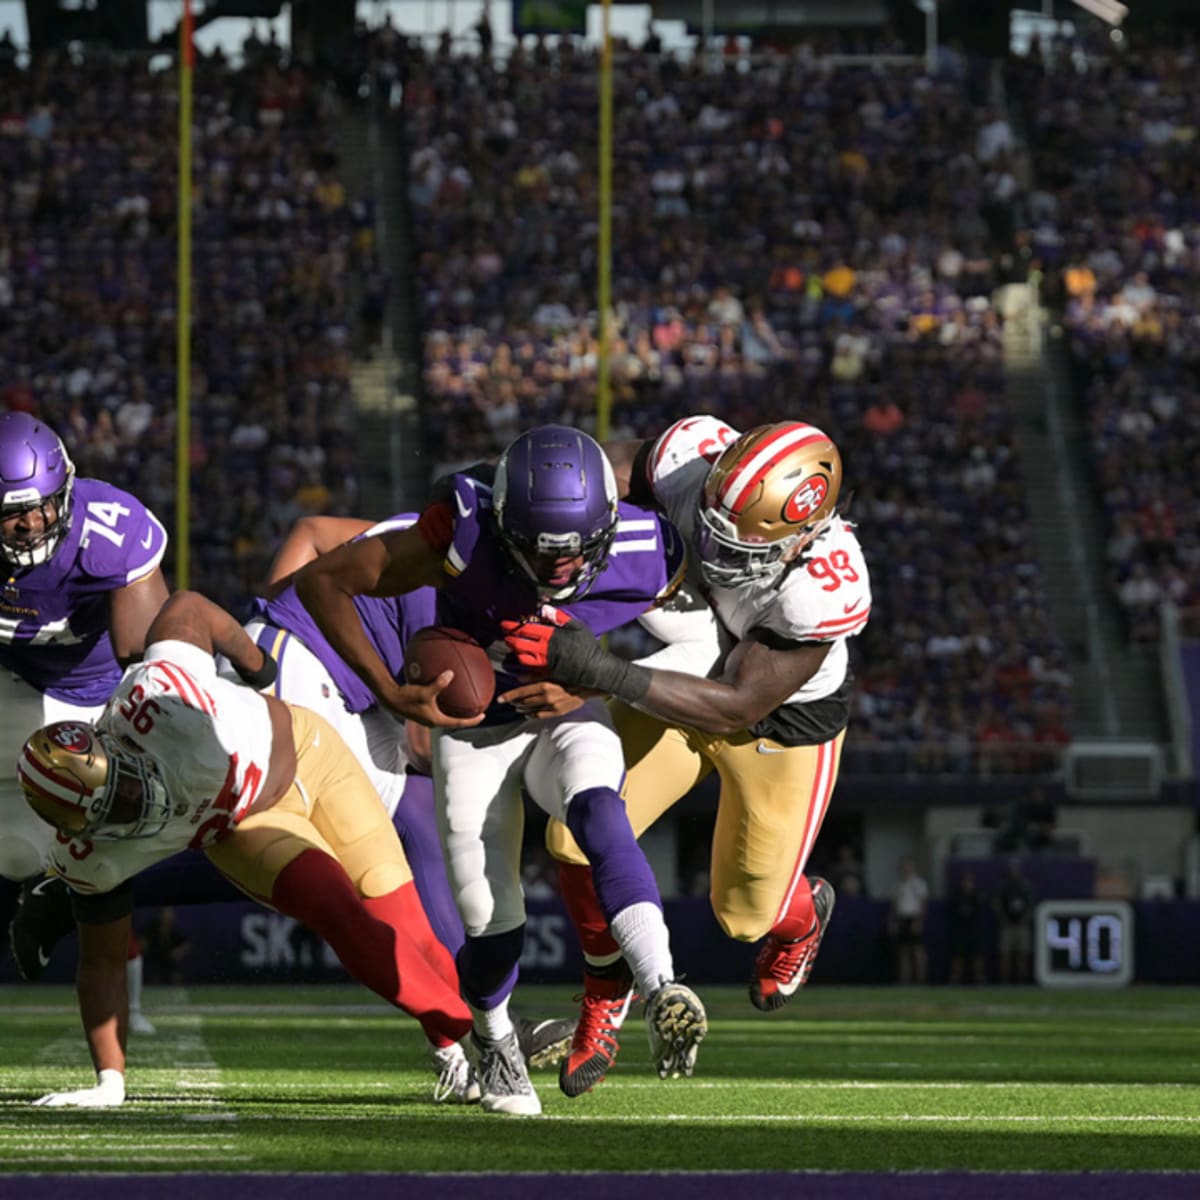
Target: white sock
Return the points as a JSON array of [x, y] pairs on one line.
[[492, 1023], [133, 982], [642, 935]]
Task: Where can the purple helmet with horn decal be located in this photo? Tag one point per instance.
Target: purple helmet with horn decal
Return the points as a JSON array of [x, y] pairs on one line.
[[555, 503]]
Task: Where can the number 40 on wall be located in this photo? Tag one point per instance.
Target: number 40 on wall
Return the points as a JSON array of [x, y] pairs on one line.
[[1083, 943]]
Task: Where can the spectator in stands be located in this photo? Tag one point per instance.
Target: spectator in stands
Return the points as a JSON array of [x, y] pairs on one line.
[[884, 323]]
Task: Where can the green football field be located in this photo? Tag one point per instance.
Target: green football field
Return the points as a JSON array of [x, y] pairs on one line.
[[327, 1079]]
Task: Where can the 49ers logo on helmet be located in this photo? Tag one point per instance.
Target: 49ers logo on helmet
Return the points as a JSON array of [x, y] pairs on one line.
[[76, 738], [806, 499]]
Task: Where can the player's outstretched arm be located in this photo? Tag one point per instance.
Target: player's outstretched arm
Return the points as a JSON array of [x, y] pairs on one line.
[[193, 618], [388, 564], [309, 538], [131, 609], [758, 676], [103, 1007]]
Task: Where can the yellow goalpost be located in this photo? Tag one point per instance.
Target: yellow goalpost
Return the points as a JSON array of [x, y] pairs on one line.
[[183, 306]]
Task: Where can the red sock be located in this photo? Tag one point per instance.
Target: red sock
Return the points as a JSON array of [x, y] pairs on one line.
[[798, 918], [402, 909], [438, 976], [315, 889], [579, 896]]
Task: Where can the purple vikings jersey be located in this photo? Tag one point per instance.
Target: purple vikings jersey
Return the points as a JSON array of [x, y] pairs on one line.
[[647, 563], [389, 622], [54, 616]]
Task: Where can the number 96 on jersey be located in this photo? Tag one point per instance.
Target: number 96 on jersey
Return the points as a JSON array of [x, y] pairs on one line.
[[1083, 943]]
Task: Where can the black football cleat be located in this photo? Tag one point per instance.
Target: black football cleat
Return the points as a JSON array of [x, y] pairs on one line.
[[543, 1043], [43, 918]]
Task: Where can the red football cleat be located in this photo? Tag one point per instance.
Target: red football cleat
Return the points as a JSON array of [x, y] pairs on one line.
[[782, 968], [594, 1047]]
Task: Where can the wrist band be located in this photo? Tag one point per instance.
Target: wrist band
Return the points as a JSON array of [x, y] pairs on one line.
[[263, 677]]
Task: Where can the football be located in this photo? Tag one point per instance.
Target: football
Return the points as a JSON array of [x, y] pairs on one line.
[[437, 648]]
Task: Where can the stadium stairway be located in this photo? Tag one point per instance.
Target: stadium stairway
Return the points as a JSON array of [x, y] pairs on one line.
[[1117, 687], [393, 467]]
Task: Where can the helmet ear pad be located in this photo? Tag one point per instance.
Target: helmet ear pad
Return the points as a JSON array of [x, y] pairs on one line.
[[555, 498]]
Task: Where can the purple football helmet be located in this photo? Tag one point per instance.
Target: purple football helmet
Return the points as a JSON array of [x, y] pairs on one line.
[[36, 476], [555, 500]]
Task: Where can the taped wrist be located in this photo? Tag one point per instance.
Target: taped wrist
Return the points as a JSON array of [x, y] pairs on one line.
[[575, 659], [614, 676]]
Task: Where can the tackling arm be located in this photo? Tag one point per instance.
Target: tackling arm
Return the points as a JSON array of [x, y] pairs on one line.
[[190, 617], [759, 675], [758, 678]]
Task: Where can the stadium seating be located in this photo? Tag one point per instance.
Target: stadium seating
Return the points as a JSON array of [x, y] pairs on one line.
[[790, 239], [88, 163], [1115, 220]]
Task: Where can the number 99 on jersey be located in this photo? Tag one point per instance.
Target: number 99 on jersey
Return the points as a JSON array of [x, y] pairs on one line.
[[1083, 943]]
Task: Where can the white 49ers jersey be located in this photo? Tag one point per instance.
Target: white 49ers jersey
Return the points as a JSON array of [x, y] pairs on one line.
[[211, 741], [825, 598]]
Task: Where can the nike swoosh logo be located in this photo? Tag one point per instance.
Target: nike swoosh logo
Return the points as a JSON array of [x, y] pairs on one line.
[[44, 959], [849, 608], [41, 885], [463, 510], [763, 748], [147, 539]]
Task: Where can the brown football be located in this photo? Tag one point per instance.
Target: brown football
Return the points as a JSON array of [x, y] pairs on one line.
[[437, 648]]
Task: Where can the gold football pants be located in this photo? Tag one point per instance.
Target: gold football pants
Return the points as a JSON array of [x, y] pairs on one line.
[[772, 801], [332, 806]]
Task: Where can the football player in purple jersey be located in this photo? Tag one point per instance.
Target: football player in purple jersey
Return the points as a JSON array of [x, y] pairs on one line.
[[549, 536], [393, 753], [82, 582]]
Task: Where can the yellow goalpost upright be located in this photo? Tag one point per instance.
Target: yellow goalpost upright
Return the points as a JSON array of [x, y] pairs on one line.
[[604, 234], [183, 306]]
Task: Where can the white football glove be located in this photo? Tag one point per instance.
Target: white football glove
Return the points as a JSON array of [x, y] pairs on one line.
[[109, 1092]]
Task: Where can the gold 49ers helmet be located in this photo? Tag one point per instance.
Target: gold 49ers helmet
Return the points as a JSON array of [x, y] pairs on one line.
[[85, 784], [769, 494]]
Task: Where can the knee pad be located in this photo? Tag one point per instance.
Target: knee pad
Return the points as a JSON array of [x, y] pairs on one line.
[[598, 820], [383, 879], [488, 910], [20, 858]]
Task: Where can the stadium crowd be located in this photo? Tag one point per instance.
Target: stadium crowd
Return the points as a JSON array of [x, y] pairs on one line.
[[88, 161], [1116, 221], [780, 249]]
